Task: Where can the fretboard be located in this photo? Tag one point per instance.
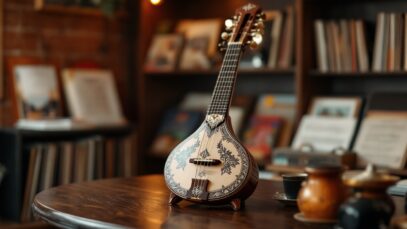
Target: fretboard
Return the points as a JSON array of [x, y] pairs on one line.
[[225, 83]]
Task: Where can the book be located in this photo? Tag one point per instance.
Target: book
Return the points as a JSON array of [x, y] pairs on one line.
[[283, 106], [92, 96], [386, 41], [90, 167], [37, 92], [164, 52], [176, 125], [276, 30], [378, 51], [110, 158], [66, 163], [321, 45], [331, 47], [353, 57], [346, 45], [48, 166], [363, 58], [80, 161], [31, 184], [287, 45], [405, 41], [337, 49], [398, 43], [261, 136]]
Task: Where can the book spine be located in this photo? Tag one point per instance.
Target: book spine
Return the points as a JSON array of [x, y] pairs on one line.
[[331, 49], [386, 43], [66, 163], [405, 42], [275, 40], [361, 45], [392, 42], [379, 43], [32, 181], [337, 49], [398, 43], [352, 26], [321, 46], [346, 46]]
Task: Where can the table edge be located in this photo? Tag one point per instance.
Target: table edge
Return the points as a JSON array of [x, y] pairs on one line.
[[64, 220]]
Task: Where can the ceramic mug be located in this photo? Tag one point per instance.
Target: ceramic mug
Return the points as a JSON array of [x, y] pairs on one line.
[[292, 184]]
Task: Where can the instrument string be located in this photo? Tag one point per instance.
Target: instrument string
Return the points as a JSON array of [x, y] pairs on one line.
[[199, 168], [226, 80]]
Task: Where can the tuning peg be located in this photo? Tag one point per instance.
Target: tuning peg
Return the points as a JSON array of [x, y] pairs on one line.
[[229, 23], [253, 45], [261, 15], [259, 24], [225, 36], [257, 38], [252, 31]]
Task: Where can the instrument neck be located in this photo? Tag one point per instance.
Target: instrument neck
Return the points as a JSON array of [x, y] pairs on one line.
[[222, 94]]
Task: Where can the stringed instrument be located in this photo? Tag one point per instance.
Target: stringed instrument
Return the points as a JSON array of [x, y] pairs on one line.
[[211, 166]]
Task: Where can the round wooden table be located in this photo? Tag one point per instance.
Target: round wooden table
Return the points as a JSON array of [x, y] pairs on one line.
[[142, 202]]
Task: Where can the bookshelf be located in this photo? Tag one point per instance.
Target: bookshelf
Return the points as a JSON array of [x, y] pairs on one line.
[[303, 79], [16, 155]]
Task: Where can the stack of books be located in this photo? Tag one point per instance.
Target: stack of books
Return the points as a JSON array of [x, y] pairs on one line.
[[388, 45], [341, 46]]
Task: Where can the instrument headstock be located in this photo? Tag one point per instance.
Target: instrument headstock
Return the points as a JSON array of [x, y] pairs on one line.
[[245, 27]]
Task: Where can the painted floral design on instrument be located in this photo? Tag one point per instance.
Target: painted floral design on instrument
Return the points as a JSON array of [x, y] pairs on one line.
[[182, 158], [227, 158]]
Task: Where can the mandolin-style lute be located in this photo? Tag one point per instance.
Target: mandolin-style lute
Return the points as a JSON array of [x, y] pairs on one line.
[[211, 166]]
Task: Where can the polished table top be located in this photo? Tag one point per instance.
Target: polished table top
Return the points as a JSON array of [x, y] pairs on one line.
[[142, 202]]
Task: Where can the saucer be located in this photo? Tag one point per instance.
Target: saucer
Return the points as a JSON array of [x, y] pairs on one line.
[[300, 217], [282, 198]]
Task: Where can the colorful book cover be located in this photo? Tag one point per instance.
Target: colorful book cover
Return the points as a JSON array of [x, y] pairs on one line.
[[261, 135], [175, 127]]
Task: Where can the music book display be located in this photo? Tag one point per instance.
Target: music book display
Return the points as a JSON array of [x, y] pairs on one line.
[[164, 52], [92, 96], [324, 134], [382, 140], [201, 37], [330, 124], [37, 92]]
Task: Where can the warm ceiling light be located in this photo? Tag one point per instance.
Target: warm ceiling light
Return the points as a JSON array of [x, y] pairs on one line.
[[156, 2]]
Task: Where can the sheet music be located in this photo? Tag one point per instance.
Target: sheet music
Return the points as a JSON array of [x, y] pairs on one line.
[[383, 141], [325, 133]]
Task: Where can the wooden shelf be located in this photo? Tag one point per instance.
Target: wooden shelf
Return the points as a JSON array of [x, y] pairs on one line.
[[215, 72], [40, 5], [356, 75]]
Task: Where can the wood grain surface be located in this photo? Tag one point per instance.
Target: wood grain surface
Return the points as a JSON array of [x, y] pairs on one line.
[[141, 202]]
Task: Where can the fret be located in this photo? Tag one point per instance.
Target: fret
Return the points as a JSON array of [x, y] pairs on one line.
[[226, 79]]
